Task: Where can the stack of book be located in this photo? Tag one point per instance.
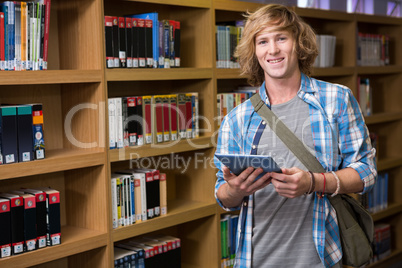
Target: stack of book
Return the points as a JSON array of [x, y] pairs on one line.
[[142, 41], [382, 241], [227, 39], [377, 199], [29, 220], [138, 195], [24, 35], [150, 251], [139, 120], [326, 51], [372, 49], [21, 133], [228, 239], [227, 101]]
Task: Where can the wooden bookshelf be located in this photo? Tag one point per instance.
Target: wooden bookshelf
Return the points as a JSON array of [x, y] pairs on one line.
[[74, 93]]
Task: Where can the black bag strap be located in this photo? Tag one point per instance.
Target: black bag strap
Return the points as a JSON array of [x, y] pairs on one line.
[[288, 137]]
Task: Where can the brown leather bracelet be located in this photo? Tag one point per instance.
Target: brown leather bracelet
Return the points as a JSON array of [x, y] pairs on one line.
[[313, 183]]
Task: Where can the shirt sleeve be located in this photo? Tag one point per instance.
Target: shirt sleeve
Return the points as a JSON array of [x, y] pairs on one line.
[[355, 143], [226, 144]]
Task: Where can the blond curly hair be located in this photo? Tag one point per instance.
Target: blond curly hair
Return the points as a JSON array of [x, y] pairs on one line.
[[284, 19]]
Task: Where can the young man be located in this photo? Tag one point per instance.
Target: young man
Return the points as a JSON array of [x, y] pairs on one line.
[[283, 222]]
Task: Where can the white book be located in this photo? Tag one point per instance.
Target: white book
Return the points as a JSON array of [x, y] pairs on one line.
[[114, 201], [119, 123], [112, 123]]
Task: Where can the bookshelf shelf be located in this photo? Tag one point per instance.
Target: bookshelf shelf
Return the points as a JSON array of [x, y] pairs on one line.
[[185, 3], [50, 77], [158, 74], [333, 71], [74, 240], [324, 14], [383, 118], [131, 153], [238, 6], [382, 20], [179, 211], [228, 74], [387, 261], [388, 163], [392, 209], [378, 70], [56, 160]]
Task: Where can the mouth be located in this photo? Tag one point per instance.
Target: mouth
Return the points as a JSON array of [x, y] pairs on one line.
[[276, 60]]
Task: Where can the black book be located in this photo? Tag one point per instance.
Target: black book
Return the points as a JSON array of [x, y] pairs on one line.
[[135, 42], [109, 41], [8, 139], [177, 44], [141, 44], [41, 225], [17, 222], [149, 55], [129, 42], [116, 42], [5, 228], [25, 133], [130, 118], [53, 228], [139, 122], [122, 43]]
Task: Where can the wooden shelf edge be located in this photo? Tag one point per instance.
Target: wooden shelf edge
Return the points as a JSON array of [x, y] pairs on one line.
[[56, 160], [392, 209], [228, 73], [333, 71], [179, 211], [187, 3], [237, 6], [137, 152], [157, 74], [395, 253], [378, 19], [383, 117], [388, 163], [324, 14], [50, 77], [73, 241], [376, 70]]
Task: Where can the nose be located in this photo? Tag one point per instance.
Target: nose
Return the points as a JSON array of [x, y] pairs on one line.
[[273, 48]]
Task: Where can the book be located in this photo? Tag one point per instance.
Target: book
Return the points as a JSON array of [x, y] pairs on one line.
[[41, 225], [139, 252], [153, 189], [173, 117], [189, 116], [122, 257], [130, 121], [149, 43], [142, 63], [53, 227], [30, 234], [195, 115], [129, 42], [166, 117], [163, 193], [135, 42], [109, 41], [114, 200], [8, 135], [166, 28], [17, 222], [2, 48], [38, 131], [147, 115], [119, 123], [5, 228], [46, 34], [181, 115], [24, 35], [177, 44], [122, 43], [139, 122], [116, 40], [137, 199], [17, 36], [157, 114], [25, 133], [112, 123]]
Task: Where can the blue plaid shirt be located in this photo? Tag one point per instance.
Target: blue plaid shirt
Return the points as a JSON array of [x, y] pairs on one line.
[[341, 140]]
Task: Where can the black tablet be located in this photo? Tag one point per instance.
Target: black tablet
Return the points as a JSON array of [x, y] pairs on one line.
[[237, 163]]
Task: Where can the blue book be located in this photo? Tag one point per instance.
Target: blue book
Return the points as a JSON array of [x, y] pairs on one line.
[[4, 9], [155, 33], [133, 217], [11, 34]]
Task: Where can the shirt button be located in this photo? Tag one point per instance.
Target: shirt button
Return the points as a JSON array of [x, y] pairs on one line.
[[253, 146], [245, 203], [263, 122]]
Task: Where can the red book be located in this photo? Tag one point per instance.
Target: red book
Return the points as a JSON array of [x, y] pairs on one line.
[[2, 52], [46, 34], [181, 104], [173, 116], [166, 120], [189, 117], [147, 114], [158, 118]]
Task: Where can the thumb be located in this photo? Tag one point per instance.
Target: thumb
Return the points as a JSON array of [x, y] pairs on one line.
[[290, 171]]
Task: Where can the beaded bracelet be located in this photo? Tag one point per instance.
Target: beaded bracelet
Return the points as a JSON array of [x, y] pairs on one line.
[[338, 184]]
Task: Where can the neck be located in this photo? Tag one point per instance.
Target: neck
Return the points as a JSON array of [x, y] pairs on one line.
[[282, 90]]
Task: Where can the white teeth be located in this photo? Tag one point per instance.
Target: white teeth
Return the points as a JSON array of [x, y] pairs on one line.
[[275, 61]]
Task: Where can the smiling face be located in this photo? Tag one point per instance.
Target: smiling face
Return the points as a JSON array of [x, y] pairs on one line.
[[276, 55]]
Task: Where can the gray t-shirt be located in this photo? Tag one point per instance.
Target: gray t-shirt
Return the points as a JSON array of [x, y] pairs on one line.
[[282, 228]]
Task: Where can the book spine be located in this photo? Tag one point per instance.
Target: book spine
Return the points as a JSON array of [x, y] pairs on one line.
[[147, 114], [135, 42], [163, 193], [119, 124], [46, 34], [5, 228], [23, 36], [116, 42], [139, 122], [173, 116], [129, 42], [122, 43], [114, 203], [112, 123], [165, 116], [149, 43], [109, 41], [38, 131], [142, 63], [53, 218], [2, 58]]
